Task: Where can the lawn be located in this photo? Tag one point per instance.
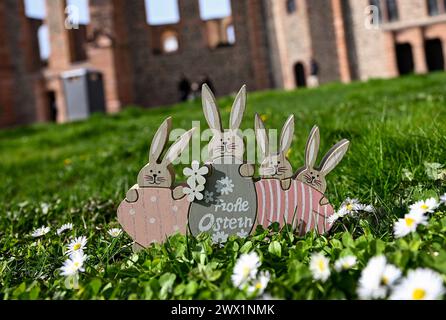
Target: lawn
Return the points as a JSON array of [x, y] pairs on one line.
[[79, 172]]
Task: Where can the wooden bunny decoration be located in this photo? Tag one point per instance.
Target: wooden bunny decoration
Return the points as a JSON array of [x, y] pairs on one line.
[[282, 198], [153, 210], [315, 176], [229, 206]]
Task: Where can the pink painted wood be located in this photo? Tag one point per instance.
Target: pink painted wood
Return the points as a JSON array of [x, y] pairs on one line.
[[299, 206], [154, 216]]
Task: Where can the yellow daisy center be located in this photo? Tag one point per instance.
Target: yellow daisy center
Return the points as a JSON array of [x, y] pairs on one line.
[[418, 294], [349, 207], [246, 271], [258, 285], [424, 206], [409, 221], [321, 265], [77, 246], [76, 264], [385, 280]]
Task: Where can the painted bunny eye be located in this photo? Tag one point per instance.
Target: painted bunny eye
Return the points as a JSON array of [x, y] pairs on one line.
[[278, 162], [159, 171], [151, 171]]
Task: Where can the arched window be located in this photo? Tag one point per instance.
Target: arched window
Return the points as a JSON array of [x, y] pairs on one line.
[[392, 10], [162, 12], [219, 23], [44, 42], [230, 34], [291, 6], [432, 7], [213, 9], [169, 42], [35, 9]]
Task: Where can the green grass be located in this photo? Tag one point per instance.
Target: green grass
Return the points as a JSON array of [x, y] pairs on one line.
[[82, 171]]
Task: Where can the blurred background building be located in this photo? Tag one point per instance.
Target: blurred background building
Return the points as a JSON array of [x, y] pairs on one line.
[[153, 52]]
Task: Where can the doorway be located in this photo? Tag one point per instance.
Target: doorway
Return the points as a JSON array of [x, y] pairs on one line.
[[404, 57], [433, 49], [299, 74], [52, 107]]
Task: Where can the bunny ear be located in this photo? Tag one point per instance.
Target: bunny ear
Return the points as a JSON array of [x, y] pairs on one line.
[[312, 147], [159, 140], [262, 137], [287, 134], [238, 108], [334, 156], [178, 147], [211, 112]]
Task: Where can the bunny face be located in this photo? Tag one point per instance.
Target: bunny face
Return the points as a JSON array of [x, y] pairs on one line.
[[160, 173], [315, 176], [155, 175], [229, 142], [275, 165], [226, 144]]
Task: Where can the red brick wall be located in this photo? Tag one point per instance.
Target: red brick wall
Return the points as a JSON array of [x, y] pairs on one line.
[[18, 78], [156, 76]]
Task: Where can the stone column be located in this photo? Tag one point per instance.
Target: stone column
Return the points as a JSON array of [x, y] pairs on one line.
[[418, 51], [341, 45], [60, 58]]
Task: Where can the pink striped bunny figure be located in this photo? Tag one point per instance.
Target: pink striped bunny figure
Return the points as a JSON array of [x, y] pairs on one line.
[[282, 198]]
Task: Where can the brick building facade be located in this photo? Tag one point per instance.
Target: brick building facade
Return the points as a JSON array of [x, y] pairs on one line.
[[274, 42]]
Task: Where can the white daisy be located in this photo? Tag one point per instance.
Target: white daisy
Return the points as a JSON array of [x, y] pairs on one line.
[[193, 191], [196, 173], [409, 224], [345, 263], [245, 269], [115, 232], [443, 199], [64, 227], [74, 264], [77, 245], [420, 284], [259, 285], [39, 232], [45, 207], [319, 267], [390, 275], [427, 206], [224, 186], [220, 237], [366, 208], [349, 206], [376, 277], [333, 218], [208, 196]]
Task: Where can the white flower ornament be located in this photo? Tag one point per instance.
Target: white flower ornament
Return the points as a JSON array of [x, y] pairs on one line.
[[196, 173], [193, 191]]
